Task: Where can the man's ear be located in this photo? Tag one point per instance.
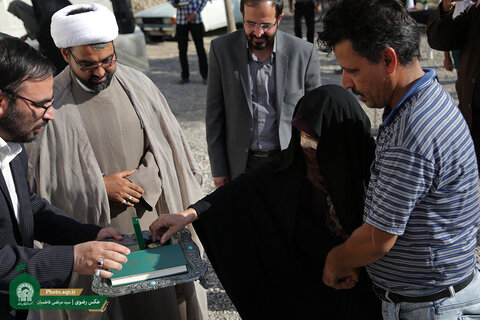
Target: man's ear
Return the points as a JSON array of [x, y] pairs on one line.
[[280, 17], [390, 59], [64, 53], [4, 102]]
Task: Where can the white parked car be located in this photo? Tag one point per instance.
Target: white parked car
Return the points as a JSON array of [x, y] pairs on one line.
[[160, 20]]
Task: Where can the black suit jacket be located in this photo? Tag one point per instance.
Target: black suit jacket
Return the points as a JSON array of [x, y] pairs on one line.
[[38, 220]]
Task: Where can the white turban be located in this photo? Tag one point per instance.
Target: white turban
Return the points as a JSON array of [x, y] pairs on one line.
[[96, 26]]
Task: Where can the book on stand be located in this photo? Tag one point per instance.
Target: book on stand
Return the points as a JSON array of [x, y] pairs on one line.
[[153, 263]]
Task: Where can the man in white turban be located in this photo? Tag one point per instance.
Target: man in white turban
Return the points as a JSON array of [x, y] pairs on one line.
[[115, 151]]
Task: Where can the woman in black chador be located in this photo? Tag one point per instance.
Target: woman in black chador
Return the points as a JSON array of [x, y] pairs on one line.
[[267, 232]]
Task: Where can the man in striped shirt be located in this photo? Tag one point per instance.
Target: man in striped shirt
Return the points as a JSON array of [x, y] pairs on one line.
[[189, 19], [422, 209]]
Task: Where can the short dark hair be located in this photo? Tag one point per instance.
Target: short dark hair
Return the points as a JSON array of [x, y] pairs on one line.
[[278, 4], [20, 62], [371, 26], [79, 10]]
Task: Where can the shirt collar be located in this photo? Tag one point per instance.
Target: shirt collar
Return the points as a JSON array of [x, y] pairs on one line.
[[8, 151], [84, 87], [418, 85]]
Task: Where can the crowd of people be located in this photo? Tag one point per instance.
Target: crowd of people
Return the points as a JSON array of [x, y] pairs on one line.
[[312, 217]]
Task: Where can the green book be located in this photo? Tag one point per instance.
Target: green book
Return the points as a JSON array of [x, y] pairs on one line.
[[151, 263]]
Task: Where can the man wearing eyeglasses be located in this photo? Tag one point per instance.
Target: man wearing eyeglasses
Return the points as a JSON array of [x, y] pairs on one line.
[[255, 78], [26, 98], [115, 149]]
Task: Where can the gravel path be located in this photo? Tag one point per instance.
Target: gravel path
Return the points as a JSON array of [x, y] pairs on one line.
[[188, 104]]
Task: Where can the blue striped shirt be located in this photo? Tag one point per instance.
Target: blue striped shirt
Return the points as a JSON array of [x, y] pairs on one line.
[[424, 188], [193, 6]]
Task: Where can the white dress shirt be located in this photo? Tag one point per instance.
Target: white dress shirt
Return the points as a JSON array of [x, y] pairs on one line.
[[8, 152]]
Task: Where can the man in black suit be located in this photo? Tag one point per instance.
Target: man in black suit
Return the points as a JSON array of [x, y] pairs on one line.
[[25, 108]]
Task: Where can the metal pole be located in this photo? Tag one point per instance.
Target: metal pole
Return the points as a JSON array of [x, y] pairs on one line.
[[230, 17]]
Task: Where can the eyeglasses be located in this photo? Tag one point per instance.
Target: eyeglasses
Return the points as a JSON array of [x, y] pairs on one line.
[[264, 26], [34, 103], [88, 66]]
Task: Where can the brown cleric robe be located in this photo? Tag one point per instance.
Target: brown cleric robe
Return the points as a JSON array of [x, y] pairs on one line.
[[118, 142]]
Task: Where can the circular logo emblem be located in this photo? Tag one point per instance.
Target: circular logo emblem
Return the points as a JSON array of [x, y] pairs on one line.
[[25, 292]]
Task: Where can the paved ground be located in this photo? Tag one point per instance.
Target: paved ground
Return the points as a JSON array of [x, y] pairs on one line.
[[188, 104]]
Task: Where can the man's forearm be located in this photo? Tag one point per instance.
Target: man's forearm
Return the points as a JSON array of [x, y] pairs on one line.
[[365, 246], [215, 121]]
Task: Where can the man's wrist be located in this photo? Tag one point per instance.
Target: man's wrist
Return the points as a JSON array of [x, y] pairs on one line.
[[333, 261]]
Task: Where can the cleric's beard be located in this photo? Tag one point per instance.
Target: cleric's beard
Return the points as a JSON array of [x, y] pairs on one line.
[[97, 87]]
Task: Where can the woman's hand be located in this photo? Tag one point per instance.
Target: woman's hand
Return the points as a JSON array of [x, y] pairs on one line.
[[168, 224]]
